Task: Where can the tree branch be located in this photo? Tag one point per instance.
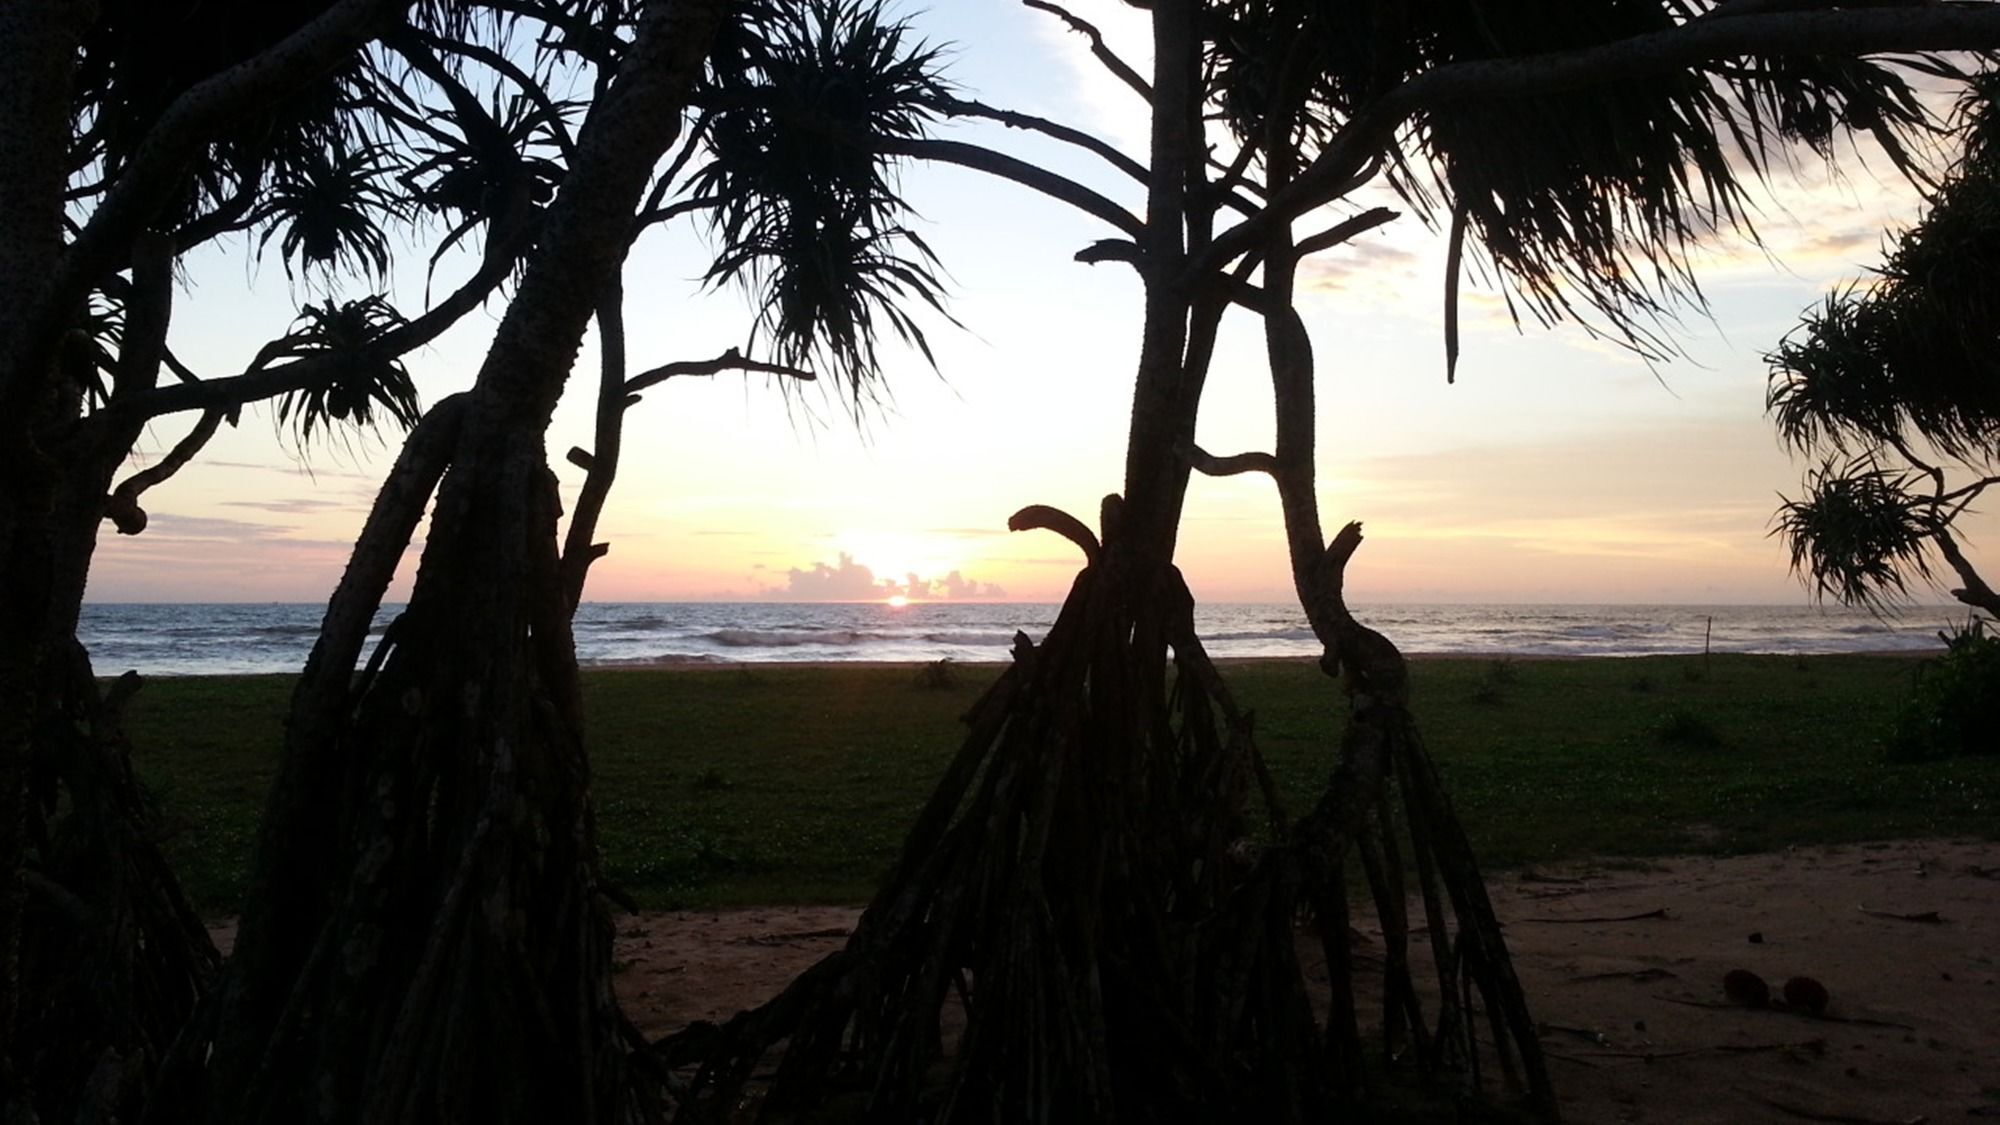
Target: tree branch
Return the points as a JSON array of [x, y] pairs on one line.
[[1975, 592], [662, 183], [1045, 518], [159, 163], [654, 215], [531, 89], [1346, 230], [1844, 32], [181, 370], [256, 385], [1343, 545], [231, 215], [960, 107], [1117, 66], [1208, 464], [1021, 172], [148, 310], [731, 360], [122, 506], [1965, 494], [601, 465]]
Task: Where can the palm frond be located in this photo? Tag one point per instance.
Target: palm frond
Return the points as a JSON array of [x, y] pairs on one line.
[[1916, 353], [1859, 533], [1586, 204], [1829, 384], [95, 340], [330, 206], [362, 386], [812, 220]]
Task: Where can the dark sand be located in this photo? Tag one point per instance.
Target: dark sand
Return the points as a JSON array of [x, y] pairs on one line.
[[1634, 1014]]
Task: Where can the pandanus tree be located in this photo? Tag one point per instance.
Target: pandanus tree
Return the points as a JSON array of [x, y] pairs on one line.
[[1086, 887], [427, 936], [139, 134], [1893, 384], [324, 133]]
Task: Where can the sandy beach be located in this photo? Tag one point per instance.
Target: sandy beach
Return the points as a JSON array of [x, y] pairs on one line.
[[1624, 965]]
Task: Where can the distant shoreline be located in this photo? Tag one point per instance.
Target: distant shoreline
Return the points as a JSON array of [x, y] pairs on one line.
[[696, 663], [237, 640], [700, 664]]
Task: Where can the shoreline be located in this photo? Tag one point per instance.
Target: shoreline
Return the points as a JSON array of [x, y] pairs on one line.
[[714, 664], [698, 663], [222, 640]]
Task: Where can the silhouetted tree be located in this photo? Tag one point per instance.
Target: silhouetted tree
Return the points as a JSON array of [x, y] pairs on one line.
[[427, 936], [137, 132], [1895, 385], [1085, 881], [326, 131]]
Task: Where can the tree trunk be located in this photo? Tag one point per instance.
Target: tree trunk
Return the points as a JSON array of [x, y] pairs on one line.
[[426, 939], [38, 44], [112, 956], [1385, 791], [1084, 887], [1075, 887]]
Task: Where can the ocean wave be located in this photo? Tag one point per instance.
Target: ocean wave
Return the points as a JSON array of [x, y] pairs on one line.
[[640, 622], [1296, 634], [664, 661], [970, 640], [771, 638], [289, 630]]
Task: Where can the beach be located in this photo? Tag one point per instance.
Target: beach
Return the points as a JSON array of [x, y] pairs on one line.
[[1633, 1015], [1623, 966], [1651, 824]]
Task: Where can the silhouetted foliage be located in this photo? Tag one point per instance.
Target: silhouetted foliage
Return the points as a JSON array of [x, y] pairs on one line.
[[1895, 385], [805, 211], [1954, 705]]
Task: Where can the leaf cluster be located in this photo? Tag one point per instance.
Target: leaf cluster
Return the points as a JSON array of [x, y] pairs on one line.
[[1586, 202], [806, 100], [1859, 533], [447, 117], [1950, 709], [1882, 371], [1911, 355], [363, 385]]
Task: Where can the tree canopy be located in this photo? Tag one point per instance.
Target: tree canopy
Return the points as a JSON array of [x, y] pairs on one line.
[[543, 138], [1893, 385]]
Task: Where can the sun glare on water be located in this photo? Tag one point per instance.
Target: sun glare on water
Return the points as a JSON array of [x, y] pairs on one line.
[[898, 601]]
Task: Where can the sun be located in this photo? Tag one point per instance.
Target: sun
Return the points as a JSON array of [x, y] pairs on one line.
[[897, 601]]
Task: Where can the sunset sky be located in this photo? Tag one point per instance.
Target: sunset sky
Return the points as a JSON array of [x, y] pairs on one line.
[[1558, 469]]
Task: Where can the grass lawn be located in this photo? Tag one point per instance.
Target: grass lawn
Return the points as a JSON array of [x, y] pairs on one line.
[[776, 784]]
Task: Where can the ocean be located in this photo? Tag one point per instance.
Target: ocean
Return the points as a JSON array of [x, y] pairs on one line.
[[234, 639]]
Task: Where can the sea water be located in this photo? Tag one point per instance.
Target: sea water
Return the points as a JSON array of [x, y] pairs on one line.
[[182, 639]]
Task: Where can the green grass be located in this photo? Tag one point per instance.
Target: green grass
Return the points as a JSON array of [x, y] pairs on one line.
[[793, 785]]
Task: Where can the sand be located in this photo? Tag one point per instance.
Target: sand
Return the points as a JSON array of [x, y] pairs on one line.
[[1623, 963], [1633, 1012]]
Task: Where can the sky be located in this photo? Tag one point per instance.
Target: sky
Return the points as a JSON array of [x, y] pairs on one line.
[[1557, 469]]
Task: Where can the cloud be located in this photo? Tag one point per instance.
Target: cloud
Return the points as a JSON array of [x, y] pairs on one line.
[[850, 581], [967, 532], [164, 526], [294, 506], [1364, 266], [957, 586], [297, 469], [209, 558]]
